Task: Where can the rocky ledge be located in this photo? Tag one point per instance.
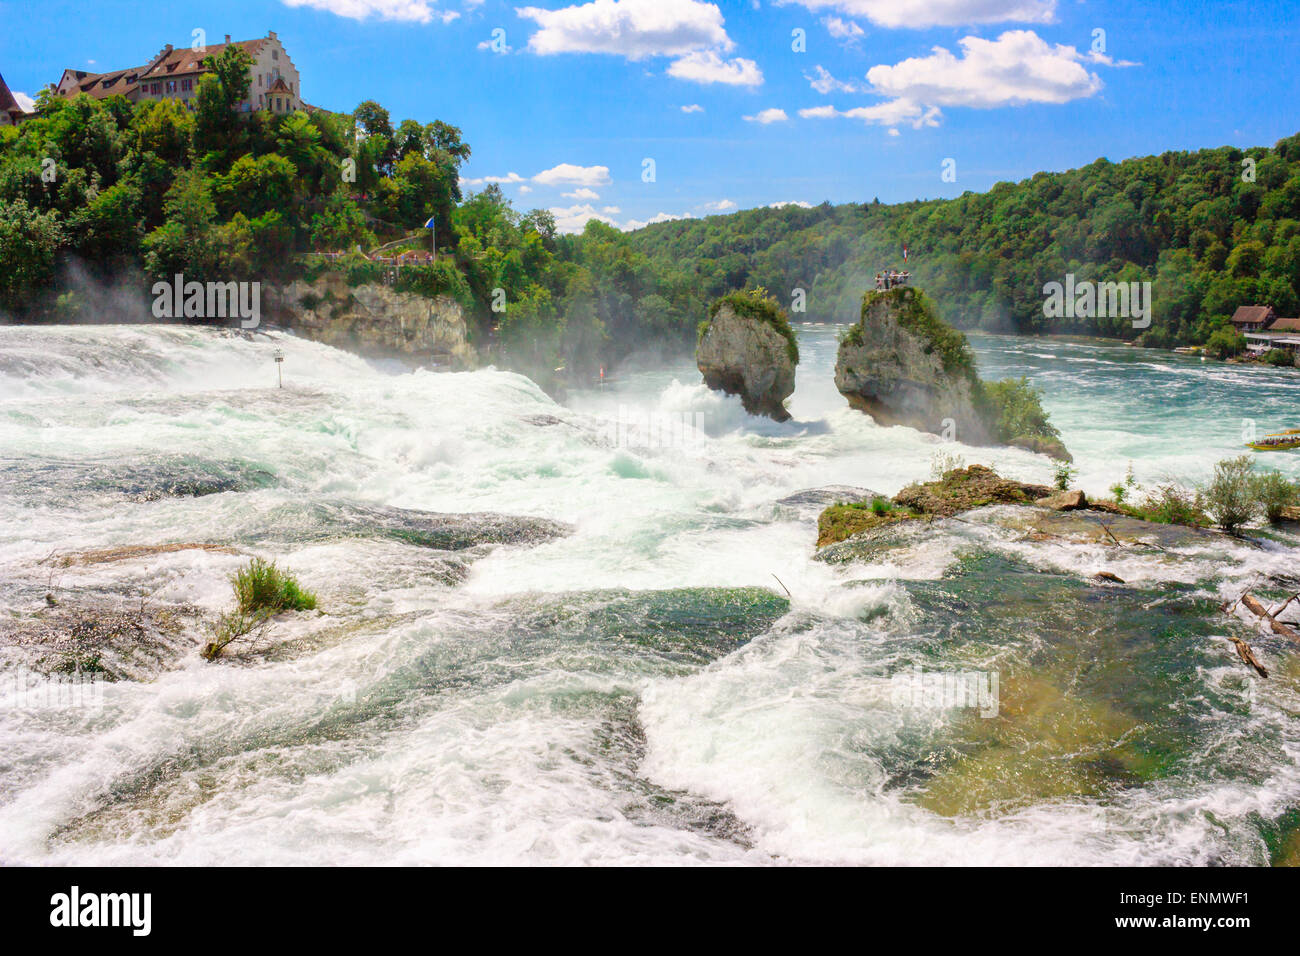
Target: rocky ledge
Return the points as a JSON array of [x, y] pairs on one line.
[[903, 365], [747, 348], [376, 320], [961, 489]]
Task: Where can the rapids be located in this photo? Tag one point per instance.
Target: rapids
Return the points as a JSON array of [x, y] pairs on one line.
[[599, 663]]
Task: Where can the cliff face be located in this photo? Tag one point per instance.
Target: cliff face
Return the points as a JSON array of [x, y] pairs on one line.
[[748, 357], [375, 320], [902, 366]]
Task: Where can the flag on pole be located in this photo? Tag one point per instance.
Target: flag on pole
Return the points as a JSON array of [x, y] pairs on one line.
[[904, 252]]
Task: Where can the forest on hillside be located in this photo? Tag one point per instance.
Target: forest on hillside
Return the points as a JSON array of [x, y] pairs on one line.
[[106, 193], [1210, 229]]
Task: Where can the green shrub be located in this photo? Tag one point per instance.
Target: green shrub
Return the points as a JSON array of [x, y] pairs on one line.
[[1273, 492], [232, 627], [1171, 503], [1230, 498], [757, 304], [1062, 474], [1225, 342], [434, 279], [1278, 357], [261, 586], [942, 462], [880, 506], [1015, 409]]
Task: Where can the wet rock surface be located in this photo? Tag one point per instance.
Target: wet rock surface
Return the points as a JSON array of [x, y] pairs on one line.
[[748, 357]]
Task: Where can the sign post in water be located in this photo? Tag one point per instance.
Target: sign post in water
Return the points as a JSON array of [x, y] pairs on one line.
[[279, 367]]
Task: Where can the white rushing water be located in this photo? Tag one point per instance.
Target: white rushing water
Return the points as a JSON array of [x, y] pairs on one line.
[[568, 699]]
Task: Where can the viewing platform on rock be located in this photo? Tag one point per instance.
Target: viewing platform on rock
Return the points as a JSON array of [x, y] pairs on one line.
[[892, 278]]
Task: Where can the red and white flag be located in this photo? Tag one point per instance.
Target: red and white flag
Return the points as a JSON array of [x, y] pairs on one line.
[[904, 252]]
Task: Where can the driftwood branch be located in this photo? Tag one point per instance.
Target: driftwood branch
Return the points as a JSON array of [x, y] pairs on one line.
[[1247, 655]]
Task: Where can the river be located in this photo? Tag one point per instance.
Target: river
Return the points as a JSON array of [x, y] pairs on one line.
[[636, 687]]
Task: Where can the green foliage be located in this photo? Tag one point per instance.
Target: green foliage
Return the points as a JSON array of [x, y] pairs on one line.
[[919, 316], [1121, 489], [1181, 220], [29, 239], [758, 305], [1016, 410], [943, 462], [1170, 503], [1273, 493], [261, 586], [1230, 498], [1062, 474], [1280, 358], [1225, 342], [440, 277]]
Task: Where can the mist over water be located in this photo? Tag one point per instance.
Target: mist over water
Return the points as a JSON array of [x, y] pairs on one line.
[[639, 689]]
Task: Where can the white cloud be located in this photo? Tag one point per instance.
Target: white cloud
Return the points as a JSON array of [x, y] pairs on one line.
[[824, 83], [610, 210], [889, 113], [575, 218], [567, 174], [525, 190], [410, 11], [499, 48], [708, 67], [765, 117], [846, 31], [1018, 67], [791, 202], [634, 29], [507, 179], [917, 14], [693, 108], [722, 205], [659, 217], [23, 100]]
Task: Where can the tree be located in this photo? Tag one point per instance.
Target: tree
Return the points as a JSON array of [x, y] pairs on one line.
[[29, 242]]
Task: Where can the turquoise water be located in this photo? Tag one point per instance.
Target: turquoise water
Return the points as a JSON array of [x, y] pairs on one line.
[[666, 675]]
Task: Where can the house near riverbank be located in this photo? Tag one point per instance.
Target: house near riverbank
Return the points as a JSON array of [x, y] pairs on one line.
[[1252, 318], [174, 74], [1265, 330]]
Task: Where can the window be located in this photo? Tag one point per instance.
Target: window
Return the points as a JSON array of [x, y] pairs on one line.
[[275, 54], [259, 79]]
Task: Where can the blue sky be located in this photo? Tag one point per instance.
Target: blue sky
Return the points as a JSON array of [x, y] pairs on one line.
[[570, 98]]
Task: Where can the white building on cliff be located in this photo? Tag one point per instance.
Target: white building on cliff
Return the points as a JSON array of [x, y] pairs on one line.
[[174, 74]]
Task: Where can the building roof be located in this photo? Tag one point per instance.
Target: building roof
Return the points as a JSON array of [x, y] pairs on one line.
[[7, 102], [170, 62], [101, 85], [279, 86], [186, 62], [1284, 325], [1252, 314]]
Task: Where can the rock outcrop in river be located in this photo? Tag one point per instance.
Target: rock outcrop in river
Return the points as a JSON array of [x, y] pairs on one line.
[[903, 365], [375, 320], [747, 348]]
